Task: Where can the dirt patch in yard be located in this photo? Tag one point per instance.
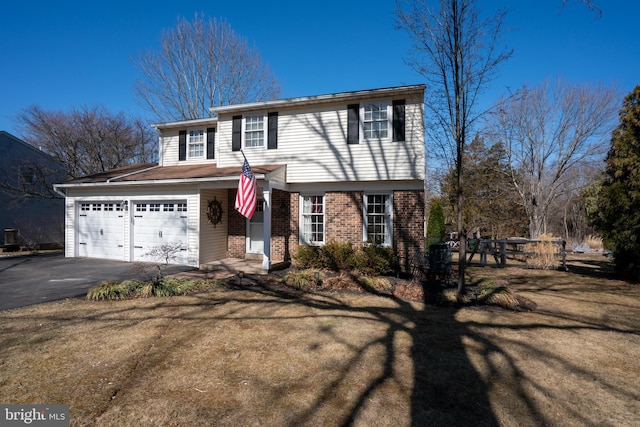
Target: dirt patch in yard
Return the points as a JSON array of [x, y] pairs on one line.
[[261, 354]]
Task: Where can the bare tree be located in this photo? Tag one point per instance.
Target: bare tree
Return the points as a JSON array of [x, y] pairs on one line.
[[591, 5], [458, 53], [549, 130], [201, 64], [88, 140]]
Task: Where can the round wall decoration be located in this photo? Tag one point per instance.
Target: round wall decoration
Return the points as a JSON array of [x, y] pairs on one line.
[[214, 212]]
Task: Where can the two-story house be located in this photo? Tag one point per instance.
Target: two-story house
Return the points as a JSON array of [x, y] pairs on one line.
[[29, 211], [345, 166]]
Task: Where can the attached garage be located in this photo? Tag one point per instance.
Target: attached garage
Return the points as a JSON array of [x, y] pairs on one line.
[[126, 213], [160, 225], [101, 230]]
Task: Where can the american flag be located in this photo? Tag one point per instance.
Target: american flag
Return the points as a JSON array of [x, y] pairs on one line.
[[246, 200]]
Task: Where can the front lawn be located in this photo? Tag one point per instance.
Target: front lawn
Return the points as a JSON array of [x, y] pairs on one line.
[[277, 356]]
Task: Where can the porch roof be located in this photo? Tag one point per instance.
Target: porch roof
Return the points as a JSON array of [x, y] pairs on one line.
[[153, 173]]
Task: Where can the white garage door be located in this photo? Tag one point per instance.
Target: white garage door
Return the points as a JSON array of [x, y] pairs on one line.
[[160, 227], [101, 230]]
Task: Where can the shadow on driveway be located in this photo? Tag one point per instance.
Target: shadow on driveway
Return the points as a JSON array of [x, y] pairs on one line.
[[33, 279]]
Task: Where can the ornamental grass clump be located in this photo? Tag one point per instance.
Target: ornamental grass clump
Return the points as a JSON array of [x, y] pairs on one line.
[[501, 296], [304, 280], [543, 254], [165, 287], [112, 290], [378, 285]]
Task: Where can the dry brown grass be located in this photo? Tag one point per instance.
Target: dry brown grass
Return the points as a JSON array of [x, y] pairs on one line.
[[543, 254], [594, 242], [277, 357]]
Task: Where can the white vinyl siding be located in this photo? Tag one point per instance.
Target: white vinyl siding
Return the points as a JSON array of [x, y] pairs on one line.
[[213, 237], [312, 143], [169, 149]]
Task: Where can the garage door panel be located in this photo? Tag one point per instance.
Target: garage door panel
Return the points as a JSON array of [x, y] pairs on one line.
[[101, 230], [157, 224]]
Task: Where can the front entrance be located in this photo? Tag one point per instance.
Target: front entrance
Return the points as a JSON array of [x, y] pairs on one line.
[[255, 230]]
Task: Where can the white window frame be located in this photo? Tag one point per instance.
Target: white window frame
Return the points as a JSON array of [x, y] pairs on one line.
[[196, 143], [245, 121], [387, 217], [304, 239], [388, 120]]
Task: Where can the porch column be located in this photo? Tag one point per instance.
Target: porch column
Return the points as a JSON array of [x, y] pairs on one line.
[[266, 252]]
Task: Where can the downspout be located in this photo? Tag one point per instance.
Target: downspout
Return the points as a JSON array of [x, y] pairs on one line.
[[55, 188]]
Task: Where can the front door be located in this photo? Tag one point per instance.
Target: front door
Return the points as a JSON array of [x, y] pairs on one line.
[[255, 230]]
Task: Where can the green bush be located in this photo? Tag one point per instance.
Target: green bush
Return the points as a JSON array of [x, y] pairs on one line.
[[377, 261], [435, 227], [338, 256], [370, 260], [307, 257]]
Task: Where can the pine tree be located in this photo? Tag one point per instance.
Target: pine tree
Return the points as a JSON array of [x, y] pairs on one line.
[[618, 215], [435, 226]]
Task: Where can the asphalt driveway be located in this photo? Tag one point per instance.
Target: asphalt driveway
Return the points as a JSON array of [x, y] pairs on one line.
[[33, 279]]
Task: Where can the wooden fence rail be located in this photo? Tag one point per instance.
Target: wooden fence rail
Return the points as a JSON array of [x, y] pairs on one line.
[[504, 249]]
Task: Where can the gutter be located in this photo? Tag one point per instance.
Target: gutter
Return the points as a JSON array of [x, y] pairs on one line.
[[56, 189], [158, 181]]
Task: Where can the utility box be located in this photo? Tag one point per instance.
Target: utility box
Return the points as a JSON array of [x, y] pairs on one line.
[[11, 240]]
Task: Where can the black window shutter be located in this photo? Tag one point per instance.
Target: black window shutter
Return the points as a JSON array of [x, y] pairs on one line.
[[236, 134], [272, 135], [353, 125], [211, 143], [182, 145], [398, 120]]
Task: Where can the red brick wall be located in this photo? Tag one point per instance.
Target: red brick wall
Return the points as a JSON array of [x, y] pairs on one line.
[[408, 224], [343, 222], [284, 225]]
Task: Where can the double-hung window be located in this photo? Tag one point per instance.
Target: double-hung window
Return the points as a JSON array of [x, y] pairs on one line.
[[376, 121], [254, 131], [312, 213], [378, 219], [195, 143]]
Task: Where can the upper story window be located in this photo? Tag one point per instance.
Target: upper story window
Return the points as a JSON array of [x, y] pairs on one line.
[[28, 175], [195, 143], [254, 131], [375, 120]]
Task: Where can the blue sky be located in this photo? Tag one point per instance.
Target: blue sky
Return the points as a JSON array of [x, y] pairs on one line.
[[65, 54]]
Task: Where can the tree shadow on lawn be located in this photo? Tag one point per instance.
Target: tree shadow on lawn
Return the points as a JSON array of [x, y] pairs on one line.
[[446, 390], [444, 387]]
